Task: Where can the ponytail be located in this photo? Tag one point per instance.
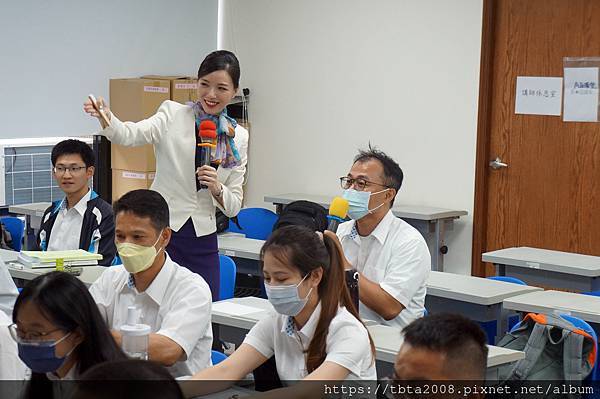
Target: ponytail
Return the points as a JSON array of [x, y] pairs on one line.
[[333, 293]]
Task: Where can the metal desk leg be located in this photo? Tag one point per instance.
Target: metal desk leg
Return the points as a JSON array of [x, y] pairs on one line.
[[501, 269], [28, 229], [278, 208], [502, 323], [440, 248]]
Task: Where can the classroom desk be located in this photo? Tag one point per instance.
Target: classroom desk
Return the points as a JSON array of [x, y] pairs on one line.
[[234, 317], [585, 307], [88, 275], [33, 217], [430, 221], [388, 340], [547, 268], [246, 251], [477, 298]]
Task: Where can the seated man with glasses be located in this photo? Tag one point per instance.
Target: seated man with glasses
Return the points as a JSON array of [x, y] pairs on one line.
[[81, 219], [390, 255]]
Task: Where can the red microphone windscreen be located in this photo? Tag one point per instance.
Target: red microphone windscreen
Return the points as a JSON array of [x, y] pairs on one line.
[[208, 129]]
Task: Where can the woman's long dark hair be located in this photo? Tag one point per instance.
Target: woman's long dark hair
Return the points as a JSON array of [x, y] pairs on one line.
[[65, 301], [303, 249]]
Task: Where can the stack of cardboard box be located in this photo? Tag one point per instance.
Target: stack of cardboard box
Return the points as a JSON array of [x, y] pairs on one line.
[[133, 100]]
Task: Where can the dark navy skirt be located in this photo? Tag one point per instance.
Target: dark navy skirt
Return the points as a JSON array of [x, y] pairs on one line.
[[199, 254]]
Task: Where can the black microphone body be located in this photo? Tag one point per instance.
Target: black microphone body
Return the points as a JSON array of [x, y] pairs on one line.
[[334, 223]]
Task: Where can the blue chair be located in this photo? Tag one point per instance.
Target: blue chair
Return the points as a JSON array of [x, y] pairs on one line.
[[490, 327], [508, 279], [217, 357], [16, 228], [593, 293], [256, 223], [227, 270]]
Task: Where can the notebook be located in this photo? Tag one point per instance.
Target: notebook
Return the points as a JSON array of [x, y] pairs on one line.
[[77, 257]]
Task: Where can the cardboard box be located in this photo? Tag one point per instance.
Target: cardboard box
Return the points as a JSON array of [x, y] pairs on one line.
[[133, 100], [139, 159], [183, 88], [124, 181]]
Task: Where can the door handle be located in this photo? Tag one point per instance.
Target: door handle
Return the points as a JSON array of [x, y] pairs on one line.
[[498, 164]]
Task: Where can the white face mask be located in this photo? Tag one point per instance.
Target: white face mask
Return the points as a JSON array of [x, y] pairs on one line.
[[137, 258], [286, 299], [359, 202]]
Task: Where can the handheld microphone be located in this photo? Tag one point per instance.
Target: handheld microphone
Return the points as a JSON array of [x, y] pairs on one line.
[[338, 209], [207, 134]]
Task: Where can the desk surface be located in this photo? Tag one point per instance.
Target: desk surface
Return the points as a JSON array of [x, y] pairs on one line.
[[585, 307], [416, 212], [223, 313], [480, 291], [236, 245], [88, 275], [34, 209], [545, 259], [388, 341]]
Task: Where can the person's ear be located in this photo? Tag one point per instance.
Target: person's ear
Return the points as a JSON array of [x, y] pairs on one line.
[[390, 194], [166, 236], [90, 172], [77, 337], [316, 276]]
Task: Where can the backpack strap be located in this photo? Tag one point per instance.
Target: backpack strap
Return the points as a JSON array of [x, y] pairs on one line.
[[572, 356], [533, 349]]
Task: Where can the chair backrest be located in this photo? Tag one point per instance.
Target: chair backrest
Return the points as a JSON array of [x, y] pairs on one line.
[[16, 228], [256, 223], [217, 357], [592, 293], [508, 279], [227, 271]]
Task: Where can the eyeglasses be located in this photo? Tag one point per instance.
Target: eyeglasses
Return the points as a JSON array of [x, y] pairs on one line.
[[60, 170], [359, 183], [34, 336]]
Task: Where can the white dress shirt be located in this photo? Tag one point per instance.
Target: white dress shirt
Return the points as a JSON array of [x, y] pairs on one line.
[[177, 304], [11, 367], [347, 344], [172, 132], [8, 291], [395, 256], [66, 230]]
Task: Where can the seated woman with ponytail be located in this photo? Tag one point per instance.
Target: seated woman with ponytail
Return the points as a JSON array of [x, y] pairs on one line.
[[316, 333]]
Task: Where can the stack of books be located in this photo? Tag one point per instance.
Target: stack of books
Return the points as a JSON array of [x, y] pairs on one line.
[[49, 259]]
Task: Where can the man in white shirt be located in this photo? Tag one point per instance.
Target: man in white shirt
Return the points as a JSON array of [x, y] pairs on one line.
[[81, 220], [173, 301], [390, 255]]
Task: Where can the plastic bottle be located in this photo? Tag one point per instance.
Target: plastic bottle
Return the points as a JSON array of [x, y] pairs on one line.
[[135, 336]]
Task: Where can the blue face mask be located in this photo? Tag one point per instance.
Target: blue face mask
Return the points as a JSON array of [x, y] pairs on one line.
[[359, 203], [40, 357], [285, 298]]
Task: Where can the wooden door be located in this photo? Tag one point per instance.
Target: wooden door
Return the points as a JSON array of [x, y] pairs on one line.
[[549, 195]]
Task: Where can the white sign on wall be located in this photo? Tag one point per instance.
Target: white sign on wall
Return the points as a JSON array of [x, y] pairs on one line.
[[538, 95], [581, 95]]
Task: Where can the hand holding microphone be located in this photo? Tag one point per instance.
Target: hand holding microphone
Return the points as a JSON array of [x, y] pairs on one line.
[[207, 138], [338, 210]]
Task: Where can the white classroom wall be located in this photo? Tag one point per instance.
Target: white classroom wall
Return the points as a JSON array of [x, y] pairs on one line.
[[328, 76], [54, 53]]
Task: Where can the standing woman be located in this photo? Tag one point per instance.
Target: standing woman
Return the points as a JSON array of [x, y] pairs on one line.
[[173, 131]]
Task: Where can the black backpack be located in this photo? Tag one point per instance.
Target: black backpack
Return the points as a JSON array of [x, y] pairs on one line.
[[303, 213]]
